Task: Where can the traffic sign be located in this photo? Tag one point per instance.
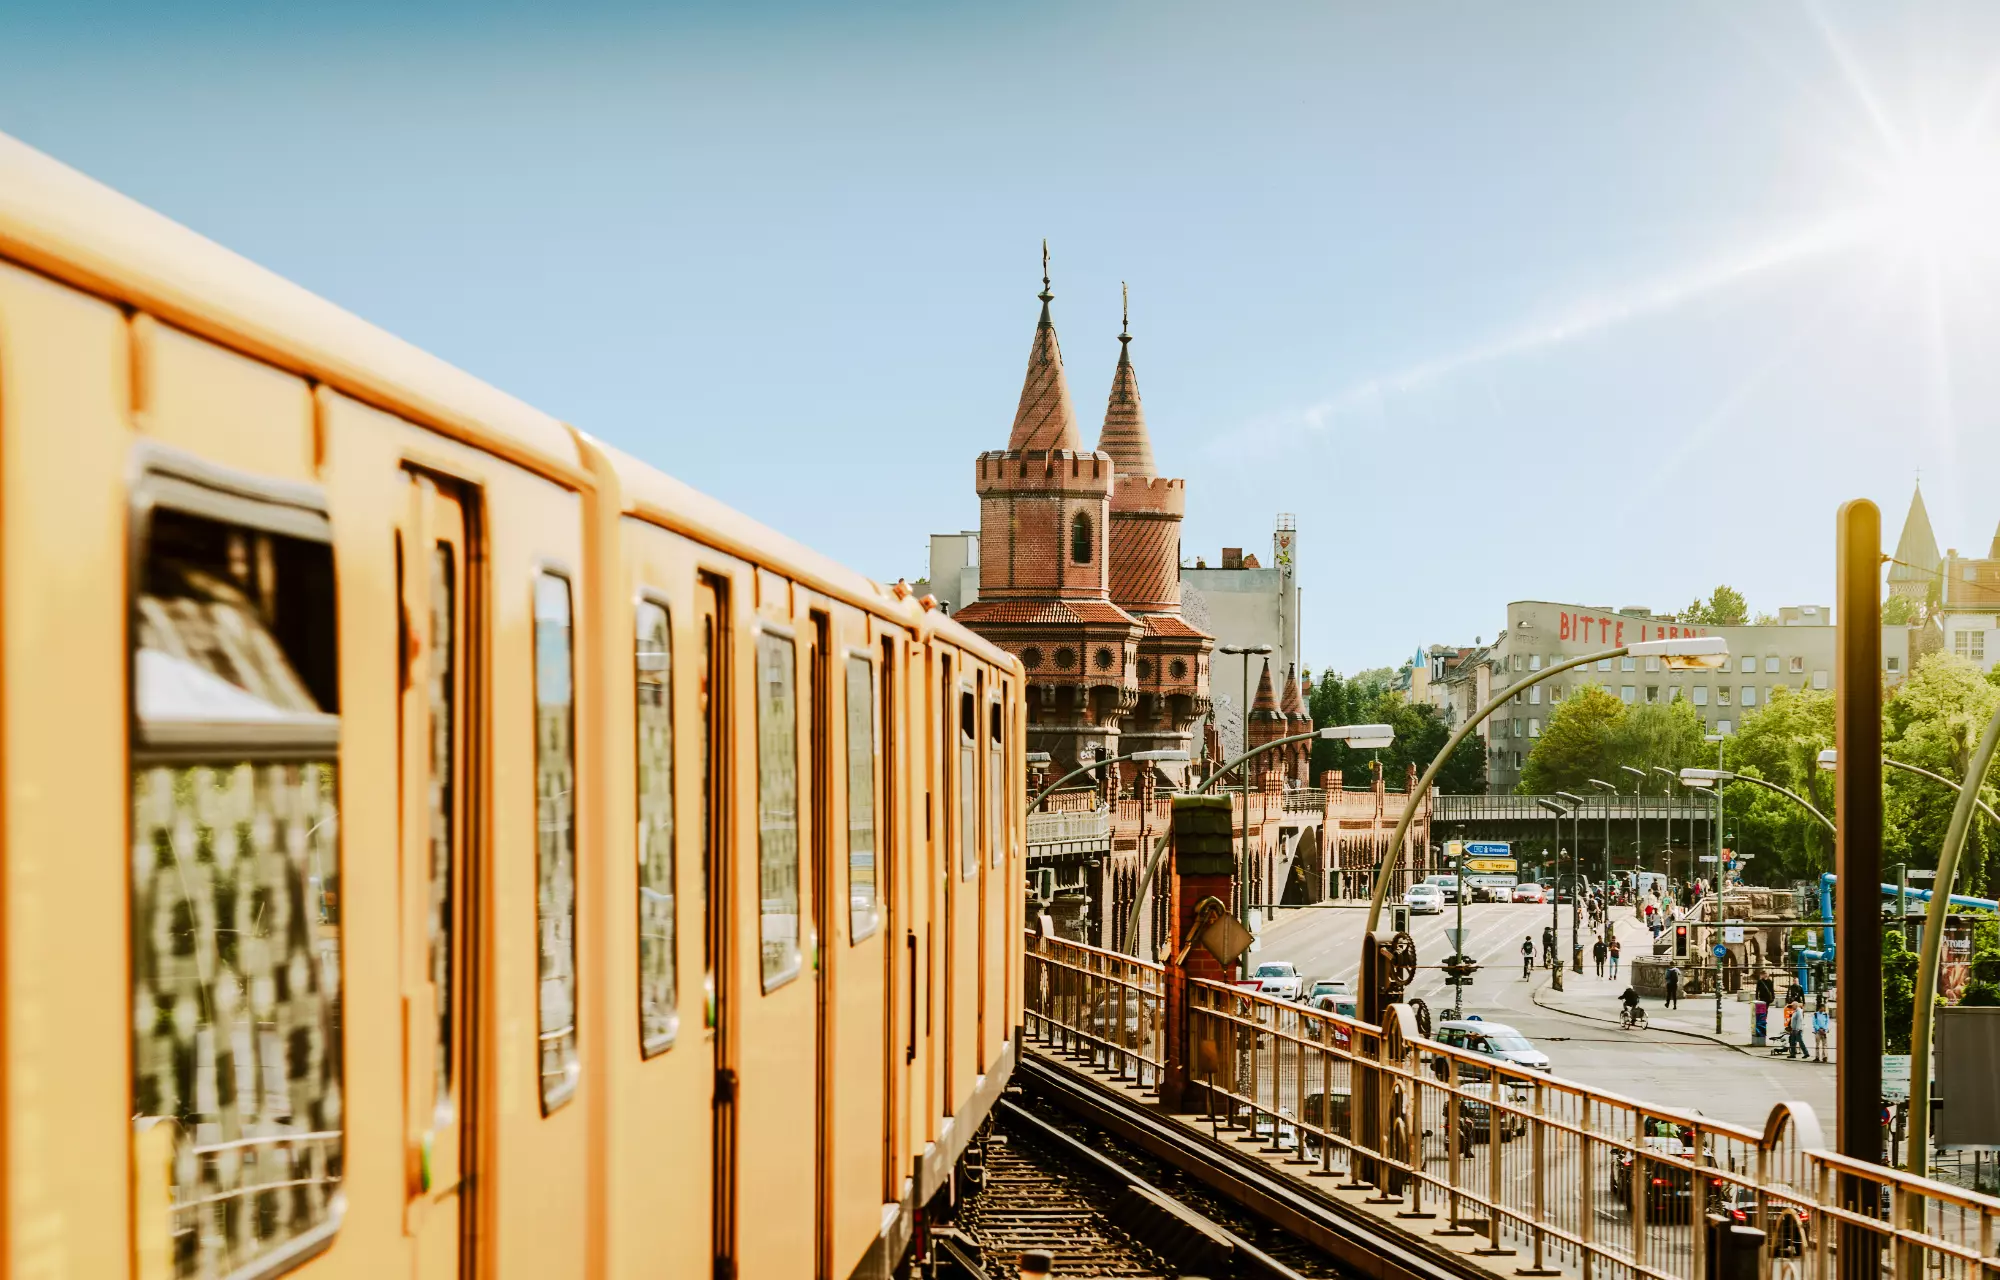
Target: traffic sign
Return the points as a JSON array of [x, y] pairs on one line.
[[1732, 933], [1721, 952], [1708, 857], [1457, 937], [1488, 849]]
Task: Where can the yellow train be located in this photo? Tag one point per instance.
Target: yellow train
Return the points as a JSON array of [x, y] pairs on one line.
[[434, 844]]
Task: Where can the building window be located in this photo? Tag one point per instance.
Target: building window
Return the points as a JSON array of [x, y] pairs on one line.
[[653, 678], [1604, 664], [1652, 663], [1079, 539], [1628, 663], [1517, 662], [1969, 644], [1771, 663], [1749, 695], [1749, 664], [1534, 662], [1895, 663], [1722, 695], [777, 810], [1798, 664], [1630, 694], [1819, 679], [1534, 728], [1517, 761], [1723, 726], [1535, 695], [1701, 695], [555, 854], [1517, 728], [1555, 693], [1652, 693]]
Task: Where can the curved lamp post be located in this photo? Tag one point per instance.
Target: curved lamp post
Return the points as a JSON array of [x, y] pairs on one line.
[[1046, 792], [1575, 873], [1638, 836], [1667, 867], [1712, 777], [1924, 1011], [1560, 811], [1611, 791], [1363, 737], [1684, 652]]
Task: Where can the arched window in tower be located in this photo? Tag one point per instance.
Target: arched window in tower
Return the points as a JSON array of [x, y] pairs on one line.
[[1079, 539]]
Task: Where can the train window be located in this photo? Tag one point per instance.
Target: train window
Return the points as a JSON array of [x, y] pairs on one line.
[[861, 915], [968, 787], [441, 803], [555, 843], [235, 876], [777, 808], [996, 787], [653, 680]]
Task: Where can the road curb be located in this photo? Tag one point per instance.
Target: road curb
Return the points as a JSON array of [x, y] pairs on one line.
[[1535, 998]]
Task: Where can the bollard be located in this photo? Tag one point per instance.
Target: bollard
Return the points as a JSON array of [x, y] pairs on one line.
[[1734, 1252]]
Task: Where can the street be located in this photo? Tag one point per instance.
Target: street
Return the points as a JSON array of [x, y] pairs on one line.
[[1672, 1064]]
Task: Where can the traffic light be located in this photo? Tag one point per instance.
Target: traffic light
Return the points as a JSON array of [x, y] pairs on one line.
[[1680, 942]]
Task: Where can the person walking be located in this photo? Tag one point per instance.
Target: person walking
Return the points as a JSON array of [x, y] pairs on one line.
[[1819, 1028], [1673, 987], [1549, 947], [1527, 957], [1761, 1010], [1597, 953], [1795, 1029], [1612, 954]]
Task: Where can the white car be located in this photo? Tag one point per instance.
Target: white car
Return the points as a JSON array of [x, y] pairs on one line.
[[1448, 884], [1424, 899], [1279, 978], [1495, 1040]]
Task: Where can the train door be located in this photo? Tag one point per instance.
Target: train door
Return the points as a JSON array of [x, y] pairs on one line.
[[712, 703], [438, 584]]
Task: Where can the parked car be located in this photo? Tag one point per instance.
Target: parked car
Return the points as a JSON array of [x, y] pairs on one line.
[[1425, 899], [1529, 893], [1494, 1040], [1279, 978], [1447, 884]]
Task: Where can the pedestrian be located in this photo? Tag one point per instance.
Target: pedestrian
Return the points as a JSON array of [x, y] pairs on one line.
[[1795, 992], [1673, 987], [1766, 996], [1527, 957], [1613, 953], [1549, 947], [1795, 1029], [1819, 1029], [1597, 952]]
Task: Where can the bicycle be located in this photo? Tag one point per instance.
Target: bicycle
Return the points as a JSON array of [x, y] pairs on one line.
[[1633, 1018]]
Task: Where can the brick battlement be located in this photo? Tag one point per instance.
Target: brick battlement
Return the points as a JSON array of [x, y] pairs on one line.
[[1148, 497], [1055, 471]]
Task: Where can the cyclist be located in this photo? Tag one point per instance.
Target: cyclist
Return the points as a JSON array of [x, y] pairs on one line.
[[1630, 1013], [1527, 956]]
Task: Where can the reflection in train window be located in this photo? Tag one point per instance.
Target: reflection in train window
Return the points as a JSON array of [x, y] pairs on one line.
[[777, 809], [968, 787], [861, 914], [235, 911], [555, 844], [652, 677]]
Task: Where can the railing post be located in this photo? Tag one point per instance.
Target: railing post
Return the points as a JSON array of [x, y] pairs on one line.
[[1200, 865]]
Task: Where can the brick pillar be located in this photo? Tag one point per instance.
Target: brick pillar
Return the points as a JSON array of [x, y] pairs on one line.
[[1201, 864]]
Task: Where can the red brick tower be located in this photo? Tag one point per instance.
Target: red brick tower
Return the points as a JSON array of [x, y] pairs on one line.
[[1296, 721], [1044, 571], [1146, 511], [1267, 723]]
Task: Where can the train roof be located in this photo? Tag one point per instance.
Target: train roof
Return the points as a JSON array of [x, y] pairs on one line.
[[72, 228], [77, 230]]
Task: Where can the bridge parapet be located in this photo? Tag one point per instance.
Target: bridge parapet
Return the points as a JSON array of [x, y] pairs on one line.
[[1579, 1179]]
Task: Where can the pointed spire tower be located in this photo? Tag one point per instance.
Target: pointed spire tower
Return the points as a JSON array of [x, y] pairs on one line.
[[1917, 563], [1044, 566], [1124, 436]]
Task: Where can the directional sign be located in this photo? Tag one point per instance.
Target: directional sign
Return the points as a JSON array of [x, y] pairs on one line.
[[1721, 952], [1896, 1075], [1488, 849], [1492, 866], [1708, 857]]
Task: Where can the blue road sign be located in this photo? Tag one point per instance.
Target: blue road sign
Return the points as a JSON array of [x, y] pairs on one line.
[[1721, 951], [1488, 849]]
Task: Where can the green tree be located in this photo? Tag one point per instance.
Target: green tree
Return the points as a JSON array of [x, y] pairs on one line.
[[1899, 991], [1781, 744], [1898, 610], [1725, 607], [1934, 721], [1575, 744], [1421, 733]]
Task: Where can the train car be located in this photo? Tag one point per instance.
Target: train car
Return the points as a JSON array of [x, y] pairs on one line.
[[437, 844]]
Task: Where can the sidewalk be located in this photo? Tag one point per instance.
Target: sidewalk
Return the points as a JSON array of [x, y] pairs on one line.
[[1585, 995]]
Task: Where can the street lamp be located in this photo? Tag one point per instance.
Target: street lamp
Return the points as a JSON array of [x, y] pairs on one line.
[[1925, 995], [1555, 895], [1712, 780], [1611, 791], [1638, 796], [1245, 652], [1680, 653], [1575, 872]]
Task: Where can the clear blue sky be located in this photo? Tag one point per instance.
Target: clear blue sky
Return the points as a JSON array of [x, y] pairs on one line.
[[1589, 302]]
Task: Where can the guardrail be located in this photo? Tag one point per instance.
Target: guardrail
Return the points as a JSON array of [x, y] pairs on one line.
[[1100, 1006], [1069, 827], [1556, 1173], [1305, 800]]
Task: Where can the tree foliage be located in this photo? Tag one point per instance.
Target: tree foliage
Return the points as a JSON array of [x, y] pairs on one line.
[[1421, 733], [1781, 744], [1592, 734], [1934, 722], [1725, 607], [1899, 610]]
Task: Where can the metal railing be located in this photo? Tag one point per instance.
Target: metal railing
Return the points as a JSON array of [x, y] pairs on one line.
[[1305, 800], [1102, 1007], [1556, 1173], [1072, 827]]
